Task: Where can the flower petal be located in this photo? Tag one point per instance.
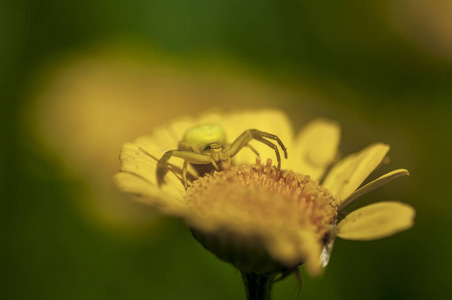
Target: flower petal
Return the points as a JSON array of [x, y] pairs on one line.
[[138, 172], [177, 129], [269, 120], [348, 174], [166, 199], [382, 180], [160, 137], [316, 147], [376, 221]]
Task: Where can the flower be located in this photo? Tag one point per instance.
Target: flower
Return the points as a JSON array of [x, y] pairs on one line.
[[256, 216]]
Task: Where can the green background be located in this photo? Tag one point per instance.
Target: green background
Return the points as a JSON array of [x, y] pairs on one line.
[[379, 84]]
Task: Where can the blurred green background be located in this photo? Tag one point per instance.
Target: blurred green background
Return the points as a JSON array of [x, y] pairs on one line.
[[79, 78]]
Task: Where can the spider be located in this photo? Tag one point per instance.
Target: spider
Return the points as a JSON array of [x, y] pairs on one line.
[[206, 144]]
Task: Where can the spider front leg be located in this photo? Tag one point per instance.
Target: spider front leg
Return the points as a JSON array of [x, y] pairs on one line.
[[252, 149], [260, 136], [188, 156]]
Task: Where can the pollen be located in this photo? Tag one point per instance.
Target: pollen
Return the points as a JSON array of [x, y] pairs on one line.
[[264, 196]]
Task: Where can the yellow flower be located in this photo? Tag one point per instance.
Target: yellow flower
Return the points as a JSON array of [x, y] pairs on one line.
[[255, 216]]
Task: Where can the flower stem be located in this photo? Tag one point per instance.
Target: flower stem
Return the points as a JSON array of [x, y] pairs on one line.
[[257, 286]]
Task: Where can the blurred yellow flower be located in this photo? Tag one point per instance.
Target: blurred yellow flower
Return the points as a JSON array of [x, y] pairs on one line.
[[255, 216]]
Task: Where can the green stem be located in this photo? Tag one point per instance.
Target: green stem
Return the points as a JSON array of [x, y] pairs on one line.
[[257, 286]]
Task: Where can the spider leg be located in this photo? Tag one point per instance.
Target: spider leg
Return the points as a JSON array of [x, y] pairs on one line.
[[188, 156], [273, 146], [252, 149], [273, 137], [184, 146], [260, 136]]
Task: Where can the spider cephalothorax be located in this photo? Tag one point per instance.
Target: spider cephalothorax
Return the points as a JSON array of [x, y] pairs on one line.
[[206, 144]]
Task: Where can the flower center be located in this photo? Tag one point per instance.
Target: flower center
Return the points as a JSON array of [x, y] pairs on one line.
[[262, 196]]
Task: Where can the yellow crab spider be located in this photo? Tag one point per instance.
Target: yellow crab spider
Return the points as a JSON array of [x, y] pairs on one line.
[[206, 144]]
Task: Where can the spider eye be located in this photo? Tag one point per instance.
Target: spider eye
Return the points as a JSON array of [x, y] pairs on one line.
[[213, 147]]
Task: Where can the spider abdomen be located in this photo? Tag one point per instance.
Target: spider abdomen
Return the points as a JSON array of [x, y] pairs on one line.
[[202, 136]]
